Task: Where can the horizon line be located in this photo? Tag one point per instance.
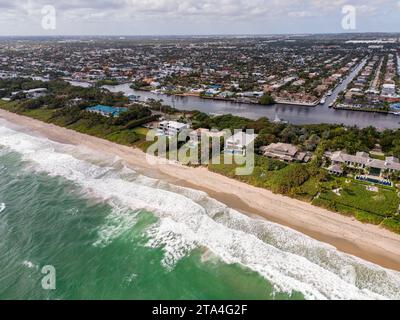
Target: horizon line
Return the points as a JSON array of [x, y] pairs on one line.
[[207, 35]]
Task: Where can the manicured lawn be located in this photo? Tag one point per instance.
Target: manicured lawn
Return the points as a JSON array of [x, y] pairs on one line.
[[383, 203], [366, 206], [379, 157]]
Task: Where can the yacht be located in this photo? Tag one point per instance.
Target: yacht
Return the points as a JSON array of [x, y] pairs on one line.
[[133, 98], [277, 120]]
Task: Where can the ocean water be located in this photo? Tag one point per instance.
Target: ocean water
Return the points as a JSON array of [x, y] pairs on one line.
[[112, 233]]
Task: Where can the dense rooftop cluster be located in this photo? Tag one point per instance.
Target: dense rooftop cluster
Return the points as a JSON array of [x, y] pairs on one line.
[[288, 69], [377, 84]]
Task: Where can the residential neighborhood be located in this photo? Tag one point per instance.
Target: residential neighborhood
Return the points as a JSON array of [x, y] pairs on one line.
[[376, 88], [296, 73]]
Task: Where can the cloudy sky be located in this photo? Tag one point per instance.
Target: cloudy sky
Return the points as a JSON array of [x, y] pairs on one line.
[[182, 17]]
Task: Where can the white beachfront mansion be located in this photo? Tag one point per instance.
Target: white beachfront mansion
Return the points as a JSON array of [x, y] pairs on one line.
[[171, 128], [362, 161], [238, 143]]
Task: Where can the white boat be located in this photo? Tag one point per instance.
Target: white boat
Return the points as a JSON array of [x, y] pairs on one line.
[[323, 100], [212, 114], [2, 207], [277, 120], [133, 97]]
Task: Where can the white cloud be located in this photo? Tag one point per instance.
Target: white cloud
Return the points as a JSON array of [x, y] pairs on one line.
[[300, 14], [206, 12], [182, 8]]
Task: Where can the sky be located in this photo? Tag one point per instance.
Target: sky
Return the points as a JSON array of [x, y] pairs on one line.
[[194, 17]]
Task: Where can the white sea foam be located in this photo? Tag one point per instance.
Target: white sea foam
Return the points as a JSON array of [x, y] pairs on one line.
[[118, 222], [73, 211], [30, 264], [129, 280], [189, 219]]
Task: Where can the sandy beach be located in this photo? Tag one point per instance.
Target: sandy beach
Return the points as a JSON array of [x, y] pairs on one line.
[[368, 242]]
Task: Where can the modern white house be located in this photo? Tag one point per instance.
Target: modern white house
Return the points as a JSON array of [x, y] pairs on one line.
[[201, 132], [196, 136], [32, 93], [239, 142], [212, 91], [171, 128], [388, 90]]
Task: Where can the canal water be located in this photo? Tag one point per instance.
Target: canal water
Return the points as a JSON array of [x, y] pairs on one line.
[[292, 113]]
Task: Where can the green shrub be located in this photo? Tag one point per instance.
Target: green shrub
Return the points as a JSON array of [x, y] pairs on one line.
[[367, 217], [392, 224], [290, 177]]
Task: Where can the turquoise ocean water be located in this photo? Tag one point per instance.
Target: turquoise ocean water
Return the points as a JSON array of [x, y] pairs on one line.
[[112, 233]]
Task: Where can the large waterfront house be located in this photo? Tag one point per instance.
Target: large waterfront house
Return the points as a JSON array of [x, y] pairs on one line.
[[285, 152], [171, 128], [239, 143], [388, 90], [196, 135], [31, 93], [362, 161]]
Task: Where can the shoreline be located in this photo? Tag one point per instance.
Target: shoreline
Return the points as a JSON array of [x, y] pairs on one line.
[[363, 110], [194, 95], [348, 235], [294, 114]]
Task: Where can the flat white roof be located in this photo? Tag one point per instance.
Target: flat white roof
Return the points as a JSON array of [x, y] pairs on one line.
[[242, 138], [389, 86], [173, 124], [37, 89]]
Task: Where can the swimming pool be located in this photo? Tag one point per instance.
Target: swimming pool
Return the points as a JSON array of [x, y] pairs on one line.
[[395, 107], [382, 182]]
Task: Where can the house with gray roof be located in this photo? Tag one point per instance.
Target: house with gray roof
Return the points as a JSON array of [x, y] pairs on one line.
[[363, 161], [285, 152]]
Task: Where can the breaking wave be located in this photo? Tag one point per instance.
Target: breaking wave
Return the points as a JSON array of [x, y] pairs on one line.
[[30, 265], [189, 219]]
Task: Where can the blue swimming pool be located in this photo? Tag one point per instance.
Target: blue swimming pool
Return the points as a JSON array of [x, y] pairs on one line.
[[395, 106], [375, 181], [107, 110]]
